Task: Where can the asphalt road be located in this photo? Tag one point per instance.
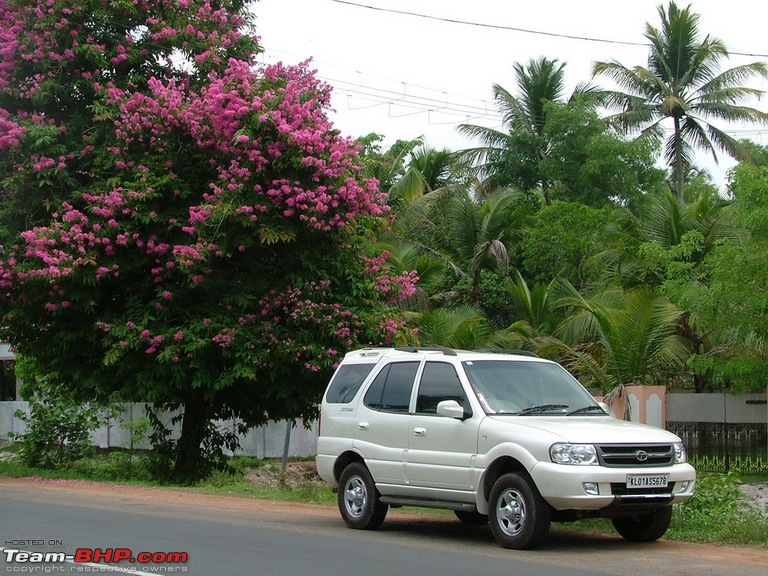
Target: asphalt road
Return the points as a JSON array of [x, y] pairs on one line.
[[235, 536]]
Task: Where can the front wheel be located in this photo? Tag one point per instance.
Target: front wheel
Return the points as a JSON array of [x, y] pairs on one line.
[[359, 500], [519, 516], [644, 527]]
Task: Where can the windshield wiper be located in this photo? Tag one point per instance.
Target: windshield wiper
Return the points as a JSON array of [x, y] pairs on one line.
[[542, 408], [585, 409]]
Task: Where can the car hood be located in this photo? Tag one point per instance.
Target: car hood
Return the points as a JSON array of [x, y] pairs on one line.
[[586, 429]]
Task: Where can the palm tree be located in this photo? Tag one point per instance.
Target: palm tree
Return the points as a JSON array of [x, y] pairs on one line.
[[538, 302], [480, 234], [427, 169], [511, 156], [663, 233], [466, 235], [682, 83], [617, 338]]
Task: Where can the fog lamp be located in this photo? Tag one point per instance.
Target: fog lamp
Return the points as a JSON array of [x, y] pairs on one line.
[[591, 488]]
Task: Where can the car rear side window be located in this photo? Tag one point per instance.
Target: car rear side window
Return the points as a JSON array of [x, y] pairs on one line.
[[391, 390], [346, 382]]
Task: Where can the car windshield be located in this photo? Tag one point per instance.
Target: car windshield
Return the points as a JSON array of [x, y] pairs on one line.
[[528, 388]]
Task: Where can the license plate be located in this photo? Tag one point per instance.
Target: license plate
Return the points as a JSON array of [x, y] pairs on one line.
[[647, 480]]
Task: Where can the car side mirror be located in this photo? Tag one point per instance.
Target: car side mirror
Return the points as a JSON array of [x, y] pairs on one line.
[[450, 409]]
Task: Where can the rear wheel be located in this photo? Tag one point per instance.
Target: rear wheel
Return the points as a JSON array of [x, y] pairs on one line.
[[644, 527], [359, 501], [519, 516]]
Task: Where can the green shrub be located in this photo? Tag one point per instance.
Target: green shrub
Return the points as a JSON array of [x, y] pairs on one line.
[[716, 496], [719, 512], [57, 431], [58, 428]]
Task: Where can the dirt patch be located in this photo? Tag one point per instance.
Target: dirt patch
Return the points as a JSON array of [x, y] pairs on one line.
[[271, 474], [757, 496]]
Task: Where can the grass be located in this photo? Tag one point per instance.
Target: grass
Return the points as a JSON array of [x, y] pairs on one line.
[[271, 483], [718, 513], [119, 467]]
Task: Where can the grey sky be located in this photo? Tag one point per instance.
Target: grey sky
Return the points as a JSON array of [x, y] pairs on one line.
[[402, 75]]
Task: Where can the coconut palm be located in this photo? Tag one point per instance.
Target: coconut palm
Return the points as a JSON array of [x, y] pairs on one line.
[[510, 156], [665, 231], [426, 170], [616, 338], [538, 304], [466, 235], [480, 234], [681, 83]]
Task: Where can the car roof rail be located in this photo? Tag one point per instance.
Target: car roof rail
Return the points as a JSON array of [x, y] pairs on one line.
[[446, 351], [516, 352]]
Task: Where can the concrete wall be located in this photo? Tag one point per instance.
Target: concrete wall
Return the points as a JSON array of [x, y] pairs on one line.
[[263, 442], [716, 407], [8, 422], [5, 352]]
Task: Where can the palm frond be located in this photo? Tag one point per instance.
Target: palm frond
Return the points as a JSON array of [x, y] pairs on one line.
[[496, 251], [619, 395], [731, 145], [462, 327], [420, 213], [731, 78], [537, 301], [409, 187], [491, 138]]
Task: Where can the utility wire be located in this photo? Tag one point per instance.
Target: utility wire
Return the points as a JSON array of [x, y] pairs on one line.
[[515, 29]]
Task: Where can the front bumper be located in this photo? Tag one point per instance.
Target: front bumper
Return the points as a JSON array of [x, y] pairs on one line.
[[568, 487]]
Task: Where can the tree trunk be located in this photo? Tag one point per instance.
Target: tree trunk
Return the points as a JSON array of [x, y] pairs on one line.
[[697, 346], [545, 193], [679, 168], [189, 461]]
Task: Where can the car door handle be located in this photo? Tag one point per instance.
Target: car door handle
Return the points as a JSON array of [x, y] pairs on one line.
[[362, 425], [420, 431]]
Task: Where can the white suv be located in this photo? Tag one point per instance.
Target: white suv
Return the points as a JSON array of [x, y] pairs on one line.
[[505, 437]]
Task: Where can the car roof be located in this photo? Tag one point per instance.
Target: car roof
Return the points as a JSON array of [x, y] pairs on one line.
[[374, 355]]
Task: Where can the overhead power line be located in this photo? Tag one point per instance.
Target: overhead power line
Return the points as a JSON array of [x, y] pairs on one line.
[[513, 28], [426, 100], [485, 25]]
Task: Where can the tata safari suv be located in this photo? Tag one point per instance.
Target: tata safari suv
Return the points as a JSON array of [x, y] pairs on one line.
[[505, 438]]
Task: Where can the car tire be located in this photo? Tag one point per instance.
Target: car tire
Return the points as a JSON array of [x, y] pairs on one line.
[[518, 515], [473, 518], [359, 501], [644, 527]]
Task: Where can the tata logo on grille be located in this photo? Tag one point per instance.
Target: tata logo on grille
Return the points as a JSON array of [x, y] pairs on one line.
[[641, 455]]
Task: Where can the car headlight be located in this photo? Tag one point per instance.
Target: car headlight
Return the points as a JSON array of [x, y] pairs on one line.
[[578, 454], [680, 454]]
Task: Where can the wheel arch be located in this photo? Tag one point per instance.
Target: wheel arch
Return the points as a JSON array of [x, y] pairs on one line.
[[498, 468], [345, 459]]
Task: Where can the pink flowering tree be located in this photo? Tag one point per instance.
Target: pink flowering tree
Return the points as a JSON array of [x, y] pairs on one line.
[[179, 224]]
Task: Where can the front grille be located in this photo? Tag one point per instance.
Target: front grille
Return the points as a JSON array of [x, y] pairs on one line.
[[620, 489], [633, 455]]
